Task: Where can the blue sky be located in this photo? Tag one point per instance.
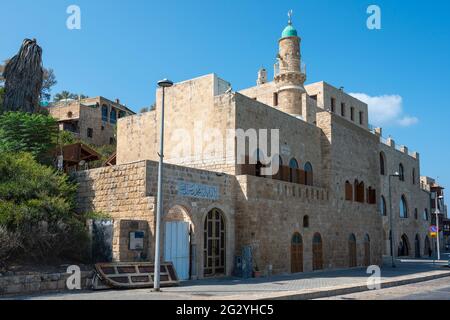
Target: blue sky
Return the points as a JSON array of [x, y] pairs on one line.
[[124, 47]]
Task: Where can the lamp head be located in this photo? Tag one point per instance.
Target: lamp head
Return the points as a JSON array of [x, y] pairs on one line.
[[165, 83]]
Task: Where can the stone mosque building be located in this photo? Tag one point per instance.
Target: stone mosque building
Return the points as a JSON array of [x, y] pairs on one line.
[[326, 207]]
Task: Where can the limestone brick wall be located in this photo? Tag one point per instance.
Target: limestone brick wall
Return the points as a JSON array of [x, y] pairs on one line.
[[121, 193], [416, 198], [298, 139], [197, 116], [127, 193], [262, 93], [350, 153], [137, 138], [324, 92]]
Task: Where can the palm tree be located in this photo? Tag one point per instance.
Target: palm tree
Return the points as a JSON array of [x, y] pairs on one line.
[[66, 95]]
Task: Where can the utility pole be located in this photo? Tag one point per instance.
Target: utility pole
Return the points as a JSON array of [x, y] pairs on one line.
[[391, 222], [437, 212]]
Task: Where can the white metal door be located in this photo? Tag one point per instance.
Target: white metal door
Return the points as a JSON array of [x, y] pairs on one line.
[[176, 247]]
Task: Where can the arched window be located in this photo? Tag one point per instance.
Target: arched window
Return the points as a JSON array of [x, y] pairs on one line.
[[367, 250], [414, 175], [425, 215], [359, 194], [401, 171], [383, 210], [104, 113], [382, 164], [371, 196], [296, 253], [348, 191], [403, 208], [293, 171], [113, 116], [306, 222], [403, 246], [309, 176], [352, 251]]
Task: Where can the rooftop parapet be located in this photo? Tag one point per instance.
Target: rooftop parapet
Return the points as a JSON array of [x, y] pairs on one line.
[[390, 142]]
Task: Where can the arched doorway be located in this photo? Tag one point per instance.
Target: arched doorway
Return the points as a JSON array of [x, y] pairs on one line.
[[317, 252], [352, 262], [367, 250], [403, 246], [178, 233], [296, 253], [214, 247], [417, 246], [427, 249]]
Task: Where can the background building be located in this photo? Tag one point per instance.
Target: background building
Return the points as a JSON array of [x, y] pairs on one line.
[[92, 120]]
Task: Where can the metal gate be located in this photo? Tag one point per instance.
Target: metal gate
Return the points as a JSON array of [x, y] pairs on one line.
[[176, 247], [214, 244]]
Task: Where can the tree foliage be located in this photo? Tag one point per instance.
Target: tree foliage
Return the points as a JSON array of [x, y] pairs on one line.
[[47, 84], [2, 94], [37, 207], [25, 132], [66, 95]]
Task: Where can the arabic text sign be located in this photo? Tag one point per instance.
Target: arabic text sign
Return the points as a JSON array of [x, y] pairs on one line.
[[200, 191]]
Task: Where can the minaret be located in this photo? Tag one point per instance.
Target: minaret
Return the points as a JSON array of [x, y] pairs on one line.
[[289, 76]]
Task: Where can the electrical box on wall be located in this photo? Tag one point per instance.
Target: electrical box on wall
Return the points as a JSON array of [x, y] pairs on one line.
[[137, 240]]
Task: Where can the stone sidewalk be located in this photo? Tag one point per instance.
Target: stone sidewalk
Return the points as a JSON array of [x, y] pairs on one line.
[[285, 287]]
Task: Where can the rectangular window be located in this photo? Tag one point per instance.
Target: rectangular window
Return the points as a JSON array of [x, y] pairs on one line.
[[352, 113], [90, 133], [361, 118], [333, 105], [275, 99], [343, 109]]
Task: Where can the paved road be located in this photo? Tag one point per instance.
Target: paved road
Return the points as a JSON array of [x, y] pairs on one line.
[[237, 289], [431, 290]]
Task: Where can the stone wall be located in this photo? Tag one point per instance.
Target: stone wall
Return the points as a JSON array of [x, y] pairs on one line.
[[29, 283], [416, 198], [127, 193], [120, 192]]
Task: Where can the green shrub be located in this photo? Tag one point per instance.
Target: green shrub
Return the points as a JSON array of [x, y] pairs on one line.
[[38, 203]]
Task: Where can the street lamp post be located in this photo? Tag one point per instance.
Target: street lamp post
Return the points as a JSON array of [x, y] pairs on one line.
[[162, 84], [391, 222], [437, 212]]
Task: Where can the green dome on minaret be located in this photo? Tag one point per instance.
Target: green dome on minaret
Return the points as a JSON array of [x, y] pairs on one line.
[[289, 31]]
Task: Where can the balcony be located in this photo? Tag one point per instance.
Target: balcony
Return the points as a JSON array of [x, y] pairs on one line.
[[288, 183], [278, 70]]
